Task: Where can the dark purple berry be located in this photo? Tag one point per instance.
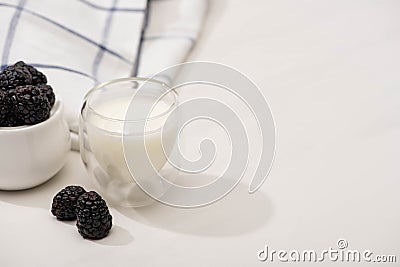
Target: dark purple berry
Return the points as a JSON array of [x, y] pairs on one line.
[[64, 203], [94, 220], [29, 104], [47, 91], [20, 74]]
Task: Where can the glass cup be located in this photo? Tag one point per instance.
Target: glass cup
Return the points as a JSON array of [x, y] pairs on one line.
[[106, 132]]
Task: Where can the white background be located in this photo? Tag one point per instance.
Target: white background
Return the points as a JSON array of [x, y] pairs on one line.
[[331, 73]]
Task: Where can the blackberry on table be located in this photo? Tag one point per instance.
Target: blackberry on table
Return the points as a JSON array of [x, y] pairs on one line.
[[94, 220], [29, 104], [64, 202], [20, 74]]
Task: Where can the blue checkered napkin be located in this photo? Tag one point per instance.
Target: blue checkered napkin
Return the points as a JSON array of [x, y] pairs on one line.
[[78, 43]]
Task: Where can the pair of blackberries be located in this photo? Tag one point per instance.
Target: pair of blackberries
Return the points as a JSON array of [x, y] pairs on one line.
[[25, 97], [94, 220]]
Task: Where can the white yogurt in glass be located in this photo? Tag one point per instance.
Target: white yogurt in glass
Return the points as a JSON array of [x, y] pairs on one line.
[[104, 138]]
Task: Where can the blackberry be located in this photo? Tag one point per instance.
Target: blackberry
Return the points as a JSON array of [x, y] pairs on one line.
[[29, 104], [47, 91], [64, 203], [37, 76], [20, 74], [4, 108], [94, 220], [12, 121], [7, 114]]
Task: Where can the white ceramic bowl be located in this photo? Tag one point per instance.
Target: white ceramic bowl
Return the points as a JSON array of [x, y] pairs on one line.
[[31, 155]]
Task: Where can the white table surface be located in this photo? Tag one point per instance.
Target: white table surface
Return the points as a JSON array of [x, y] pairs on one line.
[[331, 73]]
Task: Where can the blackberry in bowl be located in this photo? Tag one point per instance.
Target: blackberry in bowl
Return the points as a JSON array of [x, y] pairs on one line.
[[20, 74]]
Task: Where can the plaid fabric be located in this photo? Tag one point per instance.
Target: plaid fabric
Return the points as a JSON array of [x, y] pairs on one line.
[[78, 43]]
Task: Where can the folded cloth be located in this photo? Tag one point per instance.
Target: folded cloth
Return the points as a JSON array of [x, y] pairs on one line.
[[78, 43], [172, 30]]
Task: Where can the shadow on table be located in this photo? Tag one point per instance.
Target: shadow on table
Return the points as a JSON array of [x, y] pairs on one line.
[[40, 196], [237, 213], [118, 237]]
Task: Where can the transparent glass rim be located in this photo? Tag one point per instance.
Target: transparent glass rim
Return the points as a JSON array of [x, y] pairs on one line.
[[131, 79]]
